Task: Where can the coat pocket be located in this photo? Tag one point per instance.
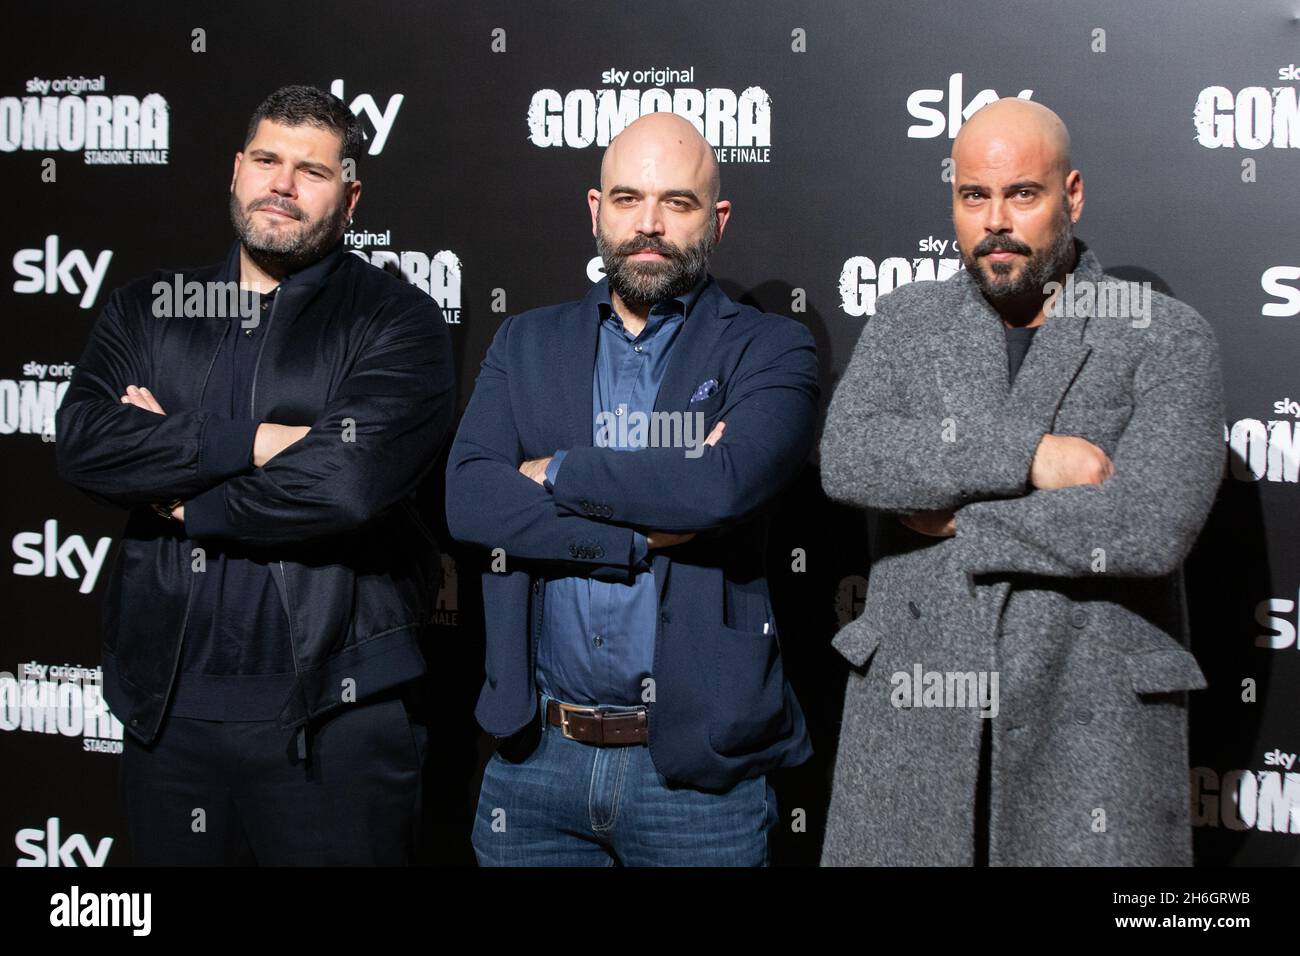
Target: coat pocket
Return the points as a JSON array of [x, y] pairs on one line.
[[858, 639], [1164, 670], [747, 710]]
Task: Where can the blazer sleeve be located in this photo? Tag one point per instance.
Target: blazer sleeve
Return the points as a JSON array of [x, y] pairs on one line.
[[877, 453], [771, 416], [1143, 520], [492, 504], [370, 446], [127, 456]]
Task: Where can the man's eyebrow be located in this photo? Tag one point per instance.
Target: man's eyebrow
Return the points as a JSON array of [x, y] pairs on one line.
[[683, 194], [1010, 188], [667, 194], [263, 153]]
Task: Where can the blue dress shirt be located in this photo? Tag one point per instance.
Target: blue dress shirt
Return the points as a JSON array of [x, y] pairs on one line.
[[597, 639]]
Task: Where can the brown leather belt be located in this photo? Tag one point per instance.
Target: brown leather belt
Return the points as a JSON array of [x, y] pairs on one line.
[[604, 728]]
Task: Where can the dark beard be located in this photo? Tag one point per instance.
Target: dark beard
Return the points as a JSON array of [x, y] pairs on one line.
[[1041, 268], [642, 284], [281, 255]]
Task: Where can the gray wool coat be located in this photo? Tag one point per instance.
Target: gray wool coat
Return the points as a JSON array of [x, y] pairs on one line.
[[1071, 598]]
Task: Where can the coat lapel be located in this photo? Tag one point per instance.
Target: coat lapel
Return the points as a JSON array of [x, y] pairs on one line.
[[973, 368]]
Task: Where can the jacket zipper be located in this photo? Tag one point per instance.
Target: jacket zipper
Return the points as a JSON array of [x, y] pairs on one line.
[[252, 413], [189, 595]]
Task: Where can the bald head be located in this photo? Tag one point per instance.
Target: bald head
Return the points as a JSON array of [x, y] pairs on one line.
[[1014, 127], [663, 144], [656, 216], [1015, 200]]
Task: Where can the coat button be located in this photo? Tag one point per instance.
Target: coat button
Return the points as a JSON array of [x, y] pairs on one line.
[[665, 617], [1078, 617], [1083, 717], [914, 610]]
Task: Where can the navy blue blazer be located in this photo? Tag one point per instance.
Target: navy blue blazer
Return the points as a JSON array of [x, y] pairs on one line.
[[722, 709]]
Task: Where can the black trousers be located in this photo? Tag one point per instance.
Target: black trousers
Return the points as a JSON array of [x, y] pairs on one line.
[[212, 793]]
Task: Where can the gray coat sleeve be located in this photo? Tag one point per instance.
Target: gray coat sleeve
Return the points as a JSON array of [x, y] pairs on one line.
[[1143, 520], [878, 453]]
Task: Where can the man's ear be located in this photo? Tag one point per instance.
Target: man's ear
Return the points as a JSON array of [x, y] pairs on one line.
[[354, 195], [1074, 192], [234, 173], [593, 202], [723, 207]]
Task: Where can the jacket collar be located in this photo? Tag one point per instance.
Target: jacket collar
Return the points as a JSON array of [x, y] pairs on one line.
[[973, 371], [572, 345], [315, 274]]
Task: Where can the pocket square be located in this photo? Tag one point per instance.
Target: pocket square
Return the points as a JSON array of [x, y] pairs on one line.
[[704, 391]]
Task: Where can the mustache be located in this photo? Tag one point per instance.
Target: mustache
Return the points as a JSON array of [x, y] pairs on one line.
[[643, 243], [281, 204], [1001, 244]]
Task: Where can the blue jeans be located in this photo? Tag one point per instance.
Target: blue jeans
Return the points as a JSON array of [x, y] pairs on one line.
[[574, 804]]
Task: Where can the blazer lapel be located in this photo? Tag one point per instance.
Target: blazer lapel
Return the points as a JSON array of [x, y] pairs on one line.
[[572, 344], [694, 354]]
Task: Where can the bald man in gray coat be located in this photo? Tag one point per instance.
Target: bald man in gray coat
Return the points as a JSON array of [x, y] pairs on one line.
[[1038, 446]]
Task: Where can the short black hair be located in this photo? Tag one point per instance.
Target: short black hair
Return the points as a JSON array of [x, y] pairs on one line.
[[306, 105]]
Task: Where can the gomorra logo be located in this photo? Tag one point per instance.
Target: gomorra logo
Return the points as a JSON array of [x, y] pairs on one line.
[[581, 118]]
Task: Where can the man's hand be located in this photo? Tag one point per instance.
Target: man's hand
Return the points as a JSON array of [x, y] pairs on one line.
[[273, 439], [1062, 461], [936, 524], [535, 468], [142, 398]]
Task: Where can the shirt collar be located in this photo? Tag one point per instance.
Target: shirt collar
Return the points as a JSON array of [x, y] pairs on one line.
[[681, 304]]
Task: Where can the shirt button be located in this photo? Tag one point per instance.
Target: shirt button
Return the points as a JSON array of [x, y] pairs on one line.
[[914, 610], [619, 410], [1078, 617], [637, 348], [598, 640]]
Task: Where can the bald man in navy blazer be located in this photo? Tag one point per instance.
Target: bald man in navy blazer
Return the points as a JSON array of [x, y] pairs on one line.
[[620, 452]]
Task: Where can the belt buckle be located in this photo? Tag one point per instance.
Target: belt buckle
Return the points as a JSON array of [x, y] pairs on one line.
[[565, 709]]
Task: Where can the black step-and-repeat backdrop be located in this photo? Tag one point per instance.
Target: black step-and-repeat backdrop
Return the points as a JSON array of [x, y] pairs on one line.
[[485, 125]]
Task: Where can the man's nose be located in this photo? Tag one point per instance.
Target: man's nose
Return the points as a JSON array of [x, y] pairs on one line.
[[996, 218], [283, 181], [650, 221]]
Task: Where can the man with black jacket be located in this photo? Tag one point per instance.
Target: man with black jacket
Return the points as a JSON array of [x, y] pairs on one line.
[[267, 600]]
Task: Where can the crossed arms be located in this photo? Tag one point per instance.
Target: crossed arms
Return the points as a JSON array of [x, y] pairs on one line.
[[1021, 501], [395, 405], [495, 497]]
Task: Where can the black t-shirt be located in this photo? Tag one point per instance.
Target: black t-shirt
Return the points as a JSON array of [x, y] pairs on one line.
[[1018, 342]]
